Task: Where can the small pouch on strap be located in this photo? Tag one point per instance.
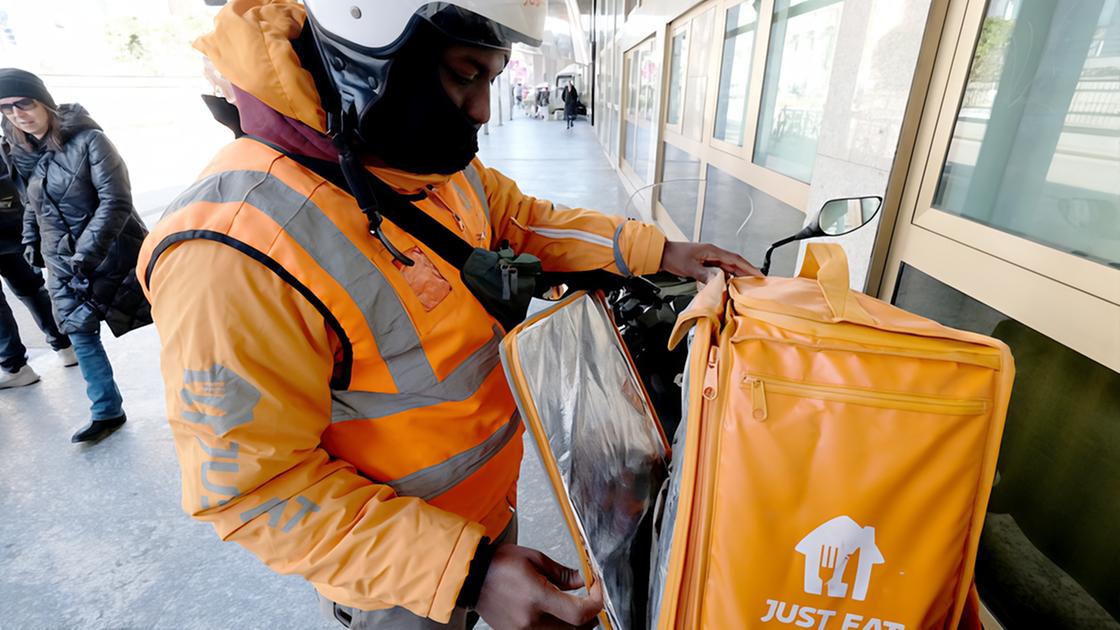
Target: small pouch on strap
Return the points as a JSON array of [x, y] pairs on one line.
[[708, 304], [503, 281], [828, 265]]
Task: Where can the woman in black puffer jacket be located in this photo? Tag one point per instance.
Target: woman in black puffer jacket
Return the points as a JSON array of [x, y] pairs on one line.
[[80, 218]]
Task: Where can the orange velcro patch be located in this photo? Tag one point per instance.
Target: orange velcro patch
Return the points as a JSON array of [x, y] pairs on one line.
[[426, 281]]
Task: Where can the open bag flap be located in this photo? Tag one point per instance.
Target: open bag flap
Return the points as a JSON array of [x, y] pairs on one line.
[[598, 439]]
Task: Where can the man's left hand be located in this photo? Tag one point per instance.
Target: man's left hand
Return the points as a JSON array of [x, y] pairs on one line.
[[701, 261]]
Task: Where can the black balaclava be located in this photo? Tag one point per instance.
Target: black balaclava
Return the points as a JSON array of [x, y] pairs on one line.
[[415, 126]]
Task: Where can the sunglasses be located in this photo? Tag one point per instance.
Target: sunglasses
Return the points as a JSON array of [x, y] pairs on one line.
[[23, 104]]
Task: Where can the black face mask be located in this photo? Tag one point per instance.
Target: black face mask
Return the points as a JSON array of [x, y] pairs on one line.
[[415, 126]]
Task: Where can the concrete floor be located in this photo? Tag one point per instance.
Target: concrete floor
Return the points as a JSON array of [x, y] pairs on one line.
[[93, 537]]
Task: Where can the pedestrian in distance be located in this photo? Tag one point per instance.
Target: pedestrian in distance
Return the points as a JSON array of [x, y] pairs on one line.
[[542, 100], [332, 379], [80, 222], [26, 283], [571, 104]]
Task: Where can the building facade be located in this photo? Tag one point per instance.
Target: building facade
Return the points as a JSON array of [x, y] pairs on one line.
[[991, 128]]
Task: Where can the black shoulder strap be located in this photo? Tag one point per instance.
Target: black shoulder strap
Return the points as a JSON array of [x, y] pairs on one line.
[[446, 244], [394, 206]]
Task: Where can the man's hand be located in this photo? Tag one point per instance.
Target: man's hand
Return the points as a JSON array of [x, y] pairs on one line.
[[525, 589], [700, 261], [32, 256], [80, 266]]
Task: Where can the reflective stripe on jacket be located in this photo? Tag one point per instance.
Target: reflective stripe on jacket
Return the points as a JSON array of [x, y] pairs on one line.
[[342, 417]]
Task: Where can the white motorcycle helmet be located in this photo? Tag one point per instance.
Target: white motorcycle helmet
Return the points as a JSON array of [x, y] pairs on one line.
[[357, 39]]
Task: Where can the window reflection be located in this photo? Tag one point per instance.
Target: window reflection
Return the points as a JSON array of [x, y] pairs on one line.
[[743, 219], [1048, 551], [798, 65], [680, 197], [643, 73], [696, 86], [735, 72], [676, 77]]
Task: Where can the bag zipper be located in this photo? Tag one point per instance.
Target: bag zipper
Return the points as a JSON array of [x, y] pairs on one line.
[[758, 386], [700, 527], [872, 341]]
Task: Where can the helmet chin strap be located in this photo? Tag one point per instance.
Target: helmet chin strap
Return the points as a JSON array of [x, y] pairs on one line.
[[357, 177], [342, 122]]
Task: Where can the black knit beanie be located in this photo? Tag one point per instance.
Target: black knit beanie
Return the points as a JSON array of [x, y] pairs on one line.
[[16, 82]]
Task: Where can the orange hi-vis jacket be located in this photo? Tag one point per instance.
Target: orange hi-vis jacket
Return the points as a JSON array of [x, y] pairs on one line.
[[342, 417]]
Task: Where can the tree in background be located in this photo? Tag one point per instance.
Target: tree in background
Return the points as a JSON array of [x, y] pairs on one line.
[[991, 49], [155, 46]]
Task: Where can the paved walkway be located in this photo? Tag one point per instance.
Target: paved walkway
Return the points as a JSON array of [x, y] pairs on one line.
[[93, 536]]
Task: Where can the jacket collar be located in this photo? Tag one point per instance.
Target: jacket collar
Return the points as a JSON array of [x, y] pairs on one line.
[[293, 136]]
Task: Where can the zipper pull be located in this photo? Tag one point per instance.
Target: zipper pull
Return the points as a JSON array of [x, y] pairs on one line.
[[506, 288], [758, 397], [455, 215], [711, 376]]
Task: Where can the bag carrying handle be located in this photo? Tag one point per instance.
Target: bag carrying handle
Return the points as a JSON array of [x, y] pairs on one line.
[[828, 265]]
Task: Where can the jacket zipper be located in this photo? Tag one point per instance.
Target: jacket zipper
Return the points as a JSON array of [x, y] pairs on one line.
[[758, 386], [697, 569], [454, 215]]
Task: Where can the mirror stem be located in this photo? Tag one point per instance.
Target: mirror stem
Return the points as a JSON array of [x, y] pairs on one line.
[[806, 232]]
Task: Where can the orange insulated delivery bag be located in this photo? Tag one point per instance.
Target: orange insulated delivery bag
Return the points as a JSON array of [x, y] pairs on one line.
[[831, 470], [837, 461]]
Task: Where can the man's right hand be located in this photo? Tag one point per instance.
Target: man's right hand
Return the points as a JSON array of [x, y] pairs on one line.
[[32, 256], [525, 589]]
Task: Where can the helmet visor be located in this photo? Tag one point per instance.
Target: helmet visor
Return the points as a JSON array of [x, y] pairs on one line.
[[471, 28]]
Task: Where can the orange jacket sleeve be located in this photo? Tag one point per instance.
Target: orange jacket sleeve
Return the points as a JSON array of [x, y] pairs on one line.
[[247, 364], [567, 239]]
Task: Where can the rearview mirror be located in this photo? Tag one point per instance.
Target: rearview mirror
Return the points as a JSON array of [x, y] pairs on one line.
[[840, 216], [836, 217]]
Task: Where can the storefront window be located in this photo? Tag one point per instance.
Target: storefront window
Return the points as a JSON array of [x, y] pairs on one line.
[[696, 85], [633, 62], [1048, 552], [676, 77], [681, 191], [735, 73], [1036, 146], [644, 72], [798, 66], [613, 133]]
